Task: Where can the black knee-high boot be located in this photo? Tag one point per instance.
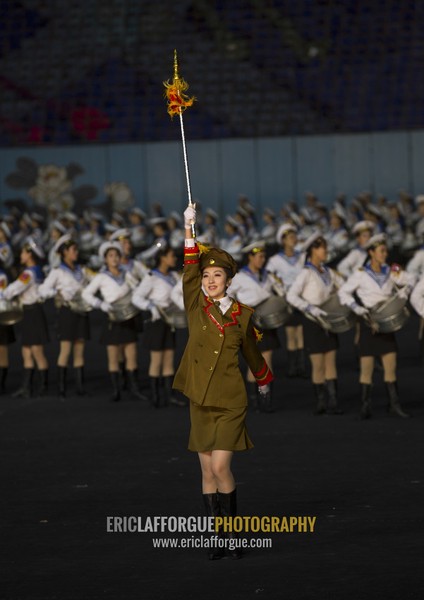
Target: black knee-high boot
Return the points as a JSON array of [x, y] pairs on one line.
[[61, 382], [291, 363], [252, 395], [123, 376], [154, 392], [79, 379], [211, 504], [170, 398], [394, 404], [228, 508], [365, 401], [333, 402], [44, 382], [134, 387], [321, 405], [3, 377], [301, 364], [114, 379], [26, 388]]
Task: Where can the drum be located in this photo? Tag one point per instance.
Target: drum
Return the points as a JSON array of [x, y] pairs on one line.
[[389, 316], [123, 309], [11, 312], [272, 313], [339, 318], [174, 316], [79, 305]]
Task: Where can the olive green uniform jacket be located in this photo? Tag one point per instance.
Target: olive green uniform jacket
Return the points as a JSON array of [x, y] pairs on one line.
[[209, 373]]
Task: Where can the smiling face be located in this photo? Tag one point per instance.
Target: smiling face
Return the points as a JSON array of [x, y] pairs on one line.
[[215, 282], [379, 254]]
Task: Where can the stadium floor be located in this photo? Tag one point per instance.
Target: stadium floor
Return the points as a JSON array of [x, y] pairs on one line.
[[66, 466]]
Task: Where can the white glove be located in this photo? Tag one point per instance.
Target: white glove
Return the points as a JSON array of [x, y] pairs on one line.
[[263, 389], [155, 314], [189, 216], [315, 311], [105, 307], [361, 311], [404, 293]]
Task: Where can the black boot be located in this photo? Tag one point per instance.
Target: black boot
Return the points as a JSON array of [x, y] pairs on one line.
[[133, 386], [212, 510], [394, 404], [301, 364], [365, 401], [154, 392], [291, 363], [123, 376], [61, 382], [79, 378], [265, 400], [333, 405], [114, 379], [319, 391], [252, 395], [228, 508], [44, 383], [25, 390], [169, 396], [3, 376]]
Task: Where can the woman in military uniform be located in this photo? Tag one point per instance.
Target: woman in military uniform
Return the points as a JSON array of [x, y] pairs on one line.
[[367, 287], [209, 373]]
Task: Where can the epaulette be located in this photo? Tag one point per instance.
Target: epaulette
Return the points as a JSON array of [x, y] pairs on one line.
[[246, 306]]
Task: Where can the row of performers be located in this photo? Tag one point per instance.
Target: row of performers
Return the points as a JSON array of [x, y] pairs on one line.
[[302, 277]]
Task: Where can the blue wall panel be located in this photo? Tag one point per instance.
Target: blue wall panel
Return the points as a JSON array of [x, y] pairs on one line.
[[238, 172], [390, 163], [275, 171], [352, 164], [270, 171], [315, 167]]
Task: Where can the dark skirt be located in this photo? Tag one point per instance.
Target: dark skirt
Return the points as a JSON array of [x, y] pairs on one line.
[[7, 335], [34, 326], [317, 340], [269, 341], [375, 344], [296, 319], [72, 326], [158, 336], [114, 334], [215, 428]]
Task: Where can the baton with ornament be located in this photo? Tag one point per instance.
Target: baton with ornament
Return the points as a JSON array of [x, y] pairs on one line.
[[178, 102]]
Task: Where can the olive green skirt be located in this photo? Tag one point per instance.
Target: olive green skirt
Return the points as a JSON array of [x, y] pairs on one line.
[[215, 428]]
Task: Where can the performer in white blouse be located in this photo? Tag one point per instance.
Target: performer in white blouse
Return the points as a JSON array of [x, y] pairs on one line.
[[7, 336], [355, 259], [253, 285], [34, 324], [286, 265], [66, 282], [112, 286], [367, 287], [154, 295], [313, 286]]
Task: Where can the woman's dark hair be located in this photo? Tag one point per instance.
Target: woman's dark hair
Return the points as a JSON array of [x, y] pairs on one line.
[[65, 246], [163, 251], [321, 241]]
